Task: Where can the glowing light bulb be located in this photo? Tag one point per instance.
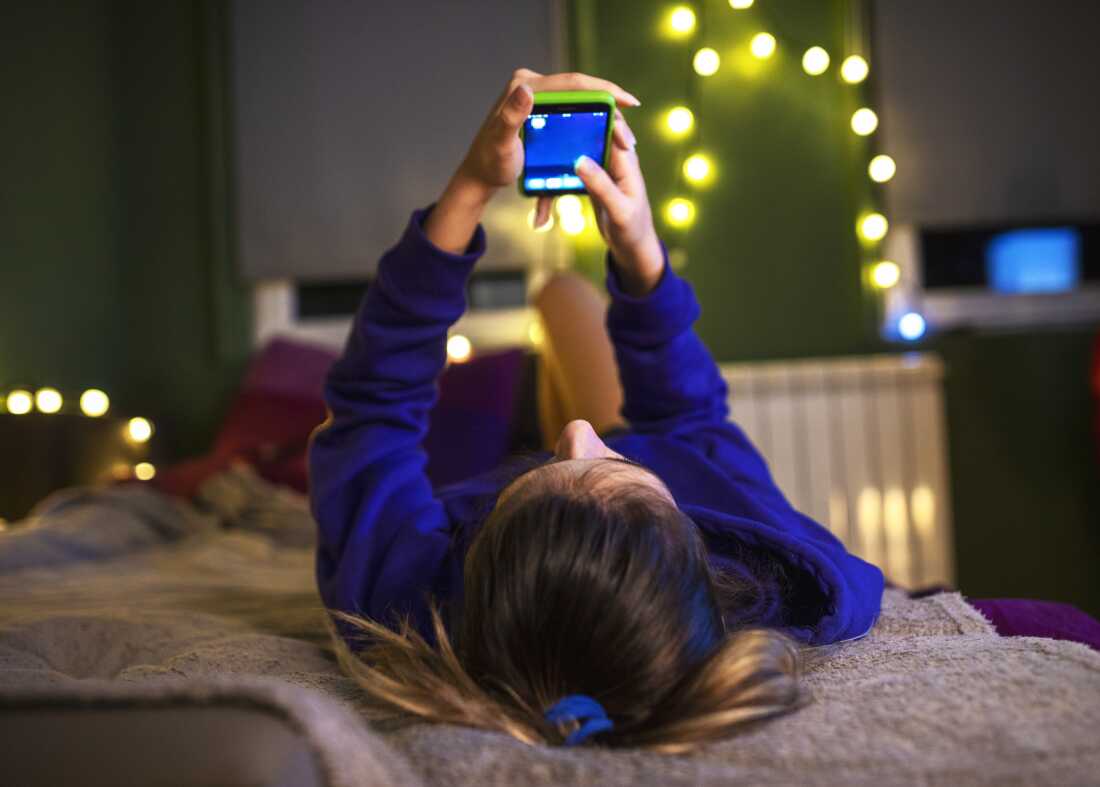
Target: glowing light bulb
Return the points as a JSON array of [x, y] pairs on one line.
[[873, 227], [139, 429], [854, 69], [48, 400], [864, 121], [94, 403], [815, 61], [20, 402], [911, 326], [682, 20], [706, 62], [144, 471], [546, 227], [459, 348], [680, 120], [885, 274], [697, 168], [762, 45], [680, 212], [881, 168], [573, 223], [570, 204], [740, 5]]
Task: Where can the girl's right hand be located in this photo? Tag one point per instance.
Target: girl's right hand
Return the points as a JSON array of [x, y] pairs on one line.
[[495, 158], [622, 211]]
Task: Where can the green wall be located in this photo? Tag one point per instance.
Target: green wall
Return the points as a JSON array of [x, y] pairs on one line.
[[776, 266], [773, 236], [59, 199], [113, 211]]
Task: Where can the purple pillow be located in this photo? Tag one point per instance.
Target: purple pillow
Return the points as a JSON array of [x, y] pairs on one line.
[[471, 426], [289, 368], [1021, 617]]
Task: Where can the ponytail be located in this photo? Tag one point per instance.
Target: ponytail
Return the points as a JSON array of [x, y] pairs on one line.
[[752, 676], [401, 672]]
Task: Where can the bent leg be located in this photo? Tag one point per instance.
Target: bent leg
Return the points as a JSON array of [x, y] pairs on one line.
[[578, 376]]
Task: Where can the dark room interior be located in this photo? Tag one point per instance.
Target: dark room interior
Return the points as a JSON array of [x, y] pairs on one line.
[[195, 200]]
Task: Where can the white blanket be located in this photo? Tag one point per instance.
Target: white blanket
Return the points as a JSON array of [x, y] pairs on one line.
[[177, 602]]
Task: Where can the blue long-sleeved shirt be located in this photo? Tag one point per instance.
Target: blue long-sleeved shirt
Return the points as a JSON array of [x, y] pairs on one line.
[[387, 539]]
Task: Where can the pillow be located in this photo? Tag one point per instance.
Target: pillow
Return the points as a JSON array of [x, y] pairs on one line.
[[471, 427], [280, 403], [269, 421]]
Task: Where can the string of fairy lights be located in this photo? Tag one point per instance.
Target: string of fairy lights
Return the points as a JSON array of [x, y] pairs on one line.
[[698, 169], [91, 403]]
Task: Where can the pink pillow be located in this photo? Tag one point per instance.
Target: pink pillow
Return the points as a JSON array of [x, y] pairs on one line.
[[268, 423]]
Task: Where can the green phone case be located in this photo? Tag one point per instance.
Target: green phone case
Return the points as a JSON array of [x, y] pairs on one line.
[[594, 98]]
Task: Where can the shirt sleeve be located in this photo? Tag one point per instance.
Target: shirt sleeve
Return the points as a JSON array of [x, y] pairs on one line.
[[671, 384], [672, 387], [383, 537]]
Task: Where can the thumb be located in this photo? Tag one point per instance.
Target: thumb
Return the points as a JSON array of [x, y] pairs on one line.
[[514, 111], [601, 188]]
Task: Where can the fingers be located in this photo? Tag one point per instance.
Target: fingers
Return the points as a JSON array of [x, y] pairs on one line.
[[514, 104], [542, 210], [521, 76], [576, 81], [515, 109], [601, 188], [622, 164], [622, 134], [568, 81]]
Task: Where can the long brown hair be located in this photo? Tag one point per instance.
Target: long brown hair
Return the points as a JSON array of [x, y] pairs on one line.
[[607, 594]]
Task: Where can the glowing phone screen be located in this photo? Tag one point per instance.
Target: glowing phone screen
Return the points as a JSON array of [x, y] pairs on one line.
[[554, 138]]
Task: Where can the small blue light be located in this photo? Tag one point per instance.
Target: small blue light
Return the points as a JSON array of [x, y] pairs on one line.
[[572, 182], [911, 326], [537, 122], [553, 183], [536, 183]]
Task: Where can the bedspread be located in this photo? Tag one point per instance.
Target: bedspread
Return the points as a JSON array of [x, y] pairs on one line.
[[215, 602]]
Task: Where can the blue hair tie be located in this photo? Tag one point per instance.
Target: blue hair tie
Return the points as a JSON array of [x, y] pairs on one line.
[[581, 708]]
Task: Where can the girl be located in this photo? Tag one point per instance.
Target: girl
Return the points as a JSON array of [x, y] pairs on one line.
[[642, 589]]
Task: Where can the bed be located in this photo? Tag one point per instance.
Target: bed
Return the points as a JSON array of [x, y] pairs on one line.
[[144, 640], [172, 634]]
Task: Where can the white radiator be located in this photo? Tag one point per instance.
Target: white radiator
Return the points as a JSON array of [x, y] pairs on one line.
[[859, 444]]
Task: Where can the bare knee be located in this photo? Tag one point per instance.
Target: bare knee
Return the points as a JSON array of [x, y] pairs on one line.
[[565, 287]]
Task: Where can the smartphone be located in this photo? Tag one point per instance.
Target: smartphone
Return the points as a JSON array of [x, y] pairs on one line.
[[562, 126]]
